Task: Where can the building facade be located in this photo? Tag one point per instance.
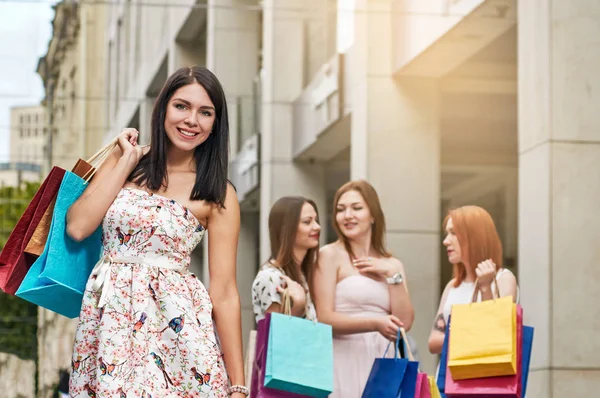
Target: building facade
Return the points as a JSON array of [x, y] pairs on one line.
[[27, 152], [73, 73], [438, 104], [28, 134]]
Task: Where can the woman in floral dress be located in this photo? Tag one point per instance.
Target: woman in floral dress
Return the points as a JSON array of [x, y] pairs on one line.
[[148, 326]]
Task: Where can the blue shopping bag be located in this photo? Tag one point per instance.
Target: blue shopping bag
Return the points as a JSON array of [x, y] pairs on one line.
[[57, 279], [392, 377], [299, 356], [527, 346], [441, 378]]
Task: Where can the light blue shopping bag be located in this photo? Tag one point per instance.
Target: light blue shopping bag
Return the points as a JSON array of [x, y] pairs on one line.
[[299, 356], [57, 279]]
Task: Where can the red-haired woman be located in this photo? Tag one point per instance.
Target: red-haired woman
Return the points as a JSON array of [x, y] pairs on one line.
[[475, 252]]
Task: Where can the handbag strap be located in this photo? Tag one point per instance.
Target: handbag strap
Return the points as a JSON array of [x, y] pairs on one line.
[[476, 290]]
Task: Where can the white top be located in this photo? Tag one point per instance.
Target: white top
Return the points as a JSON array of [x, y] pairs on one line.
[[464, 293]]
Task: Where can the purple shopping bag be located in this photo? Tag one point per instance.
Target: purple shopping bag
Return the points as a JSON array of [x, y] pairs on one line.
[[258, 389]]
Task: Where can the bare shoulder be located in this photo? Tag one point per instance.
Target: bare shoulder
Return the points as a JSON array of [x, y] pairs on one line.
[[331, 255], [231, 206], [395, 261], [332, 250]]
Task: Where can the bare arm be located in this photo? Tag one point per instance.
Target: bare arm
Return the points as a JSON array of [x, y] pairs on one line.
[[87, 213], [400, 299], [325, 281], [223, 233], [438, 331]]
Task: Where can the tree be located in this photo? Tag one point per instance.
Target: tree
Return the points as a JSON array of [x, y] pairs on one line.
[[18, 318]]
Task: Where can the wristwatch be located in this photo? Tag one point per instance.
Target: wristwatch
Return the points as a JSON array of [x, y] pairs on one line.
[[395, 279]]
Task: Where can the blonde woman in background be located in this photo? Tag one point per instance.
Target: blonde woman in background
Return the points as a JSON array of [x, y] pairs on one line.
[[360, 288]]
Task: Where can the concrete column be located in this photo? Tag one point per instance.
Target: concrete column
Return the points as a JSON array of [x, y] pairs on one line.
[[395, 145], [247, 267], [559, 187], [232, 53], [283, 71]]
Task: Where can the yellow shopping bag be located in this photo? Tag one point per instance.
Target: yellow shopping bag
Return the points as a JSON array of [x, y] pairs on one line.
[[435, 391], [483, 339]]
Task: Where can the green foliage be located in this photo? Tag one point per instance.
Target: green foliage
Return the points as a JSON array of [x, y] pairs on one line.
[[18, 318]]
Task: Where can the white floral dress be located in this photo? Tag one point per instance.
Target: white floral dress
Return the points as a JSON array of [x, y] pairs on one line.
[[264, 293], [145, 327]]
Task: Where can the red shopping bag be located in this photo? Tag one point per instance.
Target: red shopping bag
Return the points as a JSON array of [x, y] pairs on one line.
[[14, 263], [499, 386]]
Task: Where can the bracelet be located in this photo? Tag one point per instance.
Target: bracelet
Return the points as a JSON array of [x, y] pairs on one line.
[[240, 389]]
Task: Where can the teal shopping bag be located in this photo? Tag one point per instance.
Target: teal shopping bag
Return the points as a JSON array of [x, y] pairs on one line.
[[57, 279], [299, 356]]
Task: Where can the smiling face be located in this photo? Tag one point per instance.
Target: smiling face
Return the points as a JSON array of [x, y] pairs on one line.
[[353, 215], [452, 244], [190, 117], [307, 235]]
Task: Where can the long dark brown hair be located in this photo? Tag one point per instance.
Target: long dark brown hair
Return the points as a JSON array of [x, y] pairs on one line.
[[283, 227], [212, 156], [371, 199]]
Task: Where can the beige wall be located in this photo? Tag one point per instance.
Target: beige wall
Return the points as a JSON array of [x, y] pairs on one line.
[[78, 96]]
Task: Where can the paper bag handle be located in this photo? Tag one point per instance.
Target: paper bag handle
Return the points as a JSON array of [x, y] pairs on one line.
[[99, 157], [287, 302], [405, 338], [476, 290]]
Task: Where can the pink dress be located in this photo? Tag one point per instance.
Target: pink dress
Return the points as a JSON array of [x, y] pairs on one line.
[[354, 354], [146, 328]]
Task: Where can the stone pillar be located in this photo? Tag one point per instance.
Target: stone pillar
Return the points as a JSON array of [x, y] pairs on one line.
[[232, 54], [282, 74], [247, 267], [56, 335], [17, 376], [395, 145], [559, 187]]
